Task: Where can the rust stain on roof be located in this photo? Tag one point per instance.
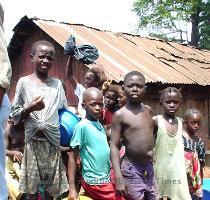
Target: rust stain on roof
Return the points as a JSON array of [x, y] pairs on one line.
[[158, 60]]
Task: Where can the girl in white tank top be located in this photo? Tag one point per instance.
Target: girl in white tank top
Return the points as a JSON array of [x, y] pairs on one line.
[[169, 163]]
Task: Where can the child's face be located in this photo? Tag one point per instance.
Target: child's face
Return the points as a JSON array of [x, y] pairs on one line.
[[122, 99], [193, 122], [171, 102], [93, 106], [134, 88], [10, 122], [90, 80], [110, 100], [43, 59]]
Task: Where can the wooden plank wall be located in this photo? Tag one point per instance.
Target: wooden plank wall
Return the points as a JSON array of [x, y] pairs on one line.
[[193, 96], [22, 66]]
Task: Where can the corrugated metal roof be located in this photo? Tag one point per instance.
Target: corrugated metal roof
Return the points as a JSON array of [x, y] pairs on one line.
[[158, 60]]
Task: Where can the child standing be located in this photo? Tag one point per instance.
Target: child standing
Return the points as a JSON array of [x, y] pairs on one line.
[[95, 77], [169, 161], [110, 101], [134, 125], [37, 100], [14, 144], [194, 152], [89, 140]]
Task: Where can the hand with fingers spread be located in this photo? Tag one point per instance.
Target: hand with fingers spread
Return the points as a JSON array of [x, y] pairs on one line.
[[17, 156]]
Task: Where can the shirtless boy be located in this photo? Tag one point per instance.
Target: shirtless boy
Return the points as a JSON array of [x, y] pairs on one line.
[[133, 125]]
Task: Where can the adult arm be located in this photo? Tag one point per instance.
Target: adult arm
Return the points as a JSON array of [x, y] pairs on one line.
[[2, 91], [6, 137], [115, 147], [69, 71], [72, 165], [5, 66]]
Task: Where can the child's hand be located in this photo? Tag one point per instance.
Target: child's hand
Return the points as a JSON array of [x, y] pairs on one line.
[[37, 103], [17, 156], [73, 195], [120, 187]]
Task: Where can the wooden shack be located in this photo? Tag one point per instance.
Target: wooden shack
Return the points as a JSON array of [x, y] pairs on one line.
[[163, 63]]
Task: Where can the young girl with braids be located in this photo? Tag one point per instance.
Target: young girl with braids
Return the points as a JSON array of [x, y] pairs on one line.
[[169, 163], [194, 152]]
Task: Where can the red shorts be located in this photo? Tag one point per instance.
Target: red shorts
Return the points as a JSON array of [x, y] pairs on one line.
[[101, 192]]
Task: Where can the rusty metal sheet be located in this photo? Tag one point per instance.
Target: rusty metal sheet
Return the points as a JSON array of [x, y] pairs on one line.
[[158, 60]]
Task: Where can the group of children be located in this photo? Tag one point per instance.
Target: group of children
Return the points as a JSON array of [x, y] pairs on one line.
[[125, 151]]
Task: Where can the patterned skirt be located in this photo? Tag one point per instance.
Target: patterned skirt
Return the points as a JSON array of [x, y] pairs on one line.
[[193, 170], [42, 169]]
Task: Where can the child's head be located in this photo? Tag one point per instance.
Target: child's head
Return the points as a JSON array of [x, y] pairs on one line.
[[122, 98], [111, 97], [95, 77], [42, 56], [134, 86], [93, 103], [171, 100], [10, 121], [192, 120]]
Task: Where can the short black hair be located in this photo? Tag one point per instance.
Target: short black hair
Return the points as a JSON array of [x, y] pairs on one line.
[[190, 112], [133, 73], [111, 88], [170, 90], [40, 42]]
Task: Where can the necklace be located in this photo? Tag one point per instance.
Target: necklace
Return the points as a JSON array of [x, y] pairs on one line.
[[170, 121]]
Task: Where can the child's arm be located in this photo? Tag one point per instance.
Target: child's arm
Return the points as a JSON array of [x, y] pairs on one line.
[[115, 157], [37, 104], [64, 149], [155, 127], [201, 155], [14, 155], [72, 164], [69, 71]]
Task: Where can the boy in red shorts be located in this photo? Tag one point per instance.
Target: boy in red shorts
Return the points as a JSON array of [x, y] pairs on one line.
[[89, 140]]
